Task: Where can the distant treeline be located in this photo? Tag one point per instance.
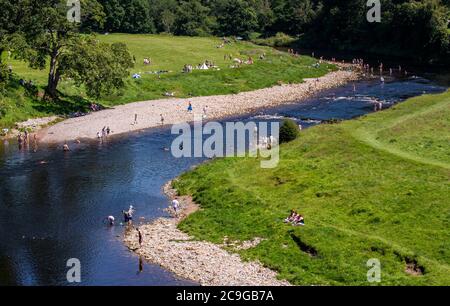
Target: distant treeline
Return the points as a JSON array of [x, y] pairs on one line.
[[411, 28], [417, 29]]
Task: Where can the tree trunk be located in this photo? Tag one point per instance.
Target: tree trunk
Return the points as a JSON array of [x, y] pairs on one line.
[[53, 77]]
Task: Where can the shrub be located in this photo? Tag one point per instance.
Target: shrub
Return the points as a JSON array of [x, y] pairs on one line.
[[3, 107], [4, 76], [289, 131], [279, 40]]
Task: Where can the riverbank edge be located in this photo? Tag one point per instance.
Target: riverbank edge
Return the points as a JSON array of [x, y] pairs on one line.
[[203, 262], [70, 129]]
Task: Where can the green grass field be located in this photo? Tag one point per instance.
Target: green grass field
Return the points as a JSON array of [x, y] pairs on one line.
[[373, 187], [167, 53]]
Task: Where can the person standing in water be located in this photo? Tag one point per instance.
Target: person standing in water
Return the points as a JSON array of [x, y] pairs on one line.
[[162, 119], [35, 147], [141, 264], [110, 220], [25, 138]]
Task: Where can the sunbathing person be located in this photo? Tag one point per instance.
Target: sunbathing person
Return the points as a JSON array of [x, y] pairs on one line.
[[299, 221], [291, 217]]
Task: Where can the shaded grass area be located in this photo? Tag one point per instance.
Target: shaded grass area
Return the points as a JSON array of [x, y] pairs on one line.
[[167, 53], [360, 201]]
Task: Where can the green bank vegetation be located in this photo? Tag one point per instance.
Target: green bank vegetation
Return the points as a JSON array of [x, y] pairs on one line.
[[373, 187], [167, 53]]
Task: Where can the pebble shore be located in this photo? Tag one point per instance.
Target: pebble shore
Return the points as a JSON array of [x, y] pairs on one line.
[[120, 119], [203, 262]]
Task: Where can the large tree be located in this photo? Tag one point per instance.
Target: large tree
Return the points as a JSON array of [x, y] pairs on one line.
[[99, 67], [237, 18], [193, 19], [9, 19], [46, 37]]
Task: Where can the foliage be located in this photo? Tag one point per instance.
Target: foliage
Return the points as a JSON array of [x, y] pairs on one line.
[[289, 131], [237, 18], [416, 29], [279, 40], [45, 35], [330, 24], [4, 76], [100, 67], [192, 19]]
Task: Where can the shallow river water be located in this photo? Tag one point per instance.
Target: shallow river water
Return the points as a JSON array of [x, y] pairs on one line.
[[52, 204]]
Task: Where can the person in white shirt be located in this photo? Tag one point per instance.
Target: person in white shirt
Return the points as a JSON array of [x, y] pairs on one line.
[[111, 220], [175, 206]]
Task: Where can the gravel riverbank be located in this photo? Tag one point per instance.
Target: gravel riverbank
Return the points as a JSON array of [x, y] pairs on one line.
[[203, 262], [120, 119]]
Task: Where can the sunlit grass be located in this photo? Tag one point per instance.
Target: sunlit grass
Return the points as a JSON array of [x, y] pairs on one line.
[[170, 53], [361, 199]]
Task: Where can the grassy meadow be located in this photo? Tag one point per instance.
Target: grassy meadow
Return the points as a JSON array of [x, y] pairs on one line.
[[373, 187], [167, 53]]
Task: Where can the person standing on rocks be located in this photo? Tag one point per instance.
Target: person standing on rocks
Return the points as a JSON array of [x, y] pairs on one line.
[[140, 237], [175, 206]]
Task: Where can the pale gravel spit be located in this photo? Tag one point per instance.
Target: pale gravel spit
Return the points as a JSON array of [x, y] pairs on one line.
[[203, 262], [120, 119]]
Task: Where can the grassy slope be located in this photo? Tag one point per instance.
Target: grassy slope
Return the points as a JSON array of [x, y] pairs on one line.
[[171, 53], [375, 187]]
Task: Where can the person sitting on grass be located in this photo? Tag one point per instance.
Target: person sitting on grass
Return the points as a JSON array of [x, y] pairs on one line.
[[291, 217], [299, 221]]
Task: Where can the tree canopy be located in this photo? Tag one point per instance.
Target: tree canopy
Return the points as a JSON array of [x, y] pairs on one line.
[[413, 28], [418, 29], [45, 37]]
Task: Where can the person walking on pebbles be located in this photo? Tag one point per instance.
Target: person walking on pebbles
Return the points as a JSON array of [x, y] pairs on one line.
[[176, 206], [190, 108]]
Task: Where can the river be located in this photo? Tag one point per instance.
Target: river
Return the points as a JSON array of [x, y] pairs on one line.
[[52, 204]]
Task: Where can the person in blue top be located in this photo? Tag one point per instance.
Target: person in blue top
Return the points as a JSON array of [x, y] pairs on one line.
[[190, 109]]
